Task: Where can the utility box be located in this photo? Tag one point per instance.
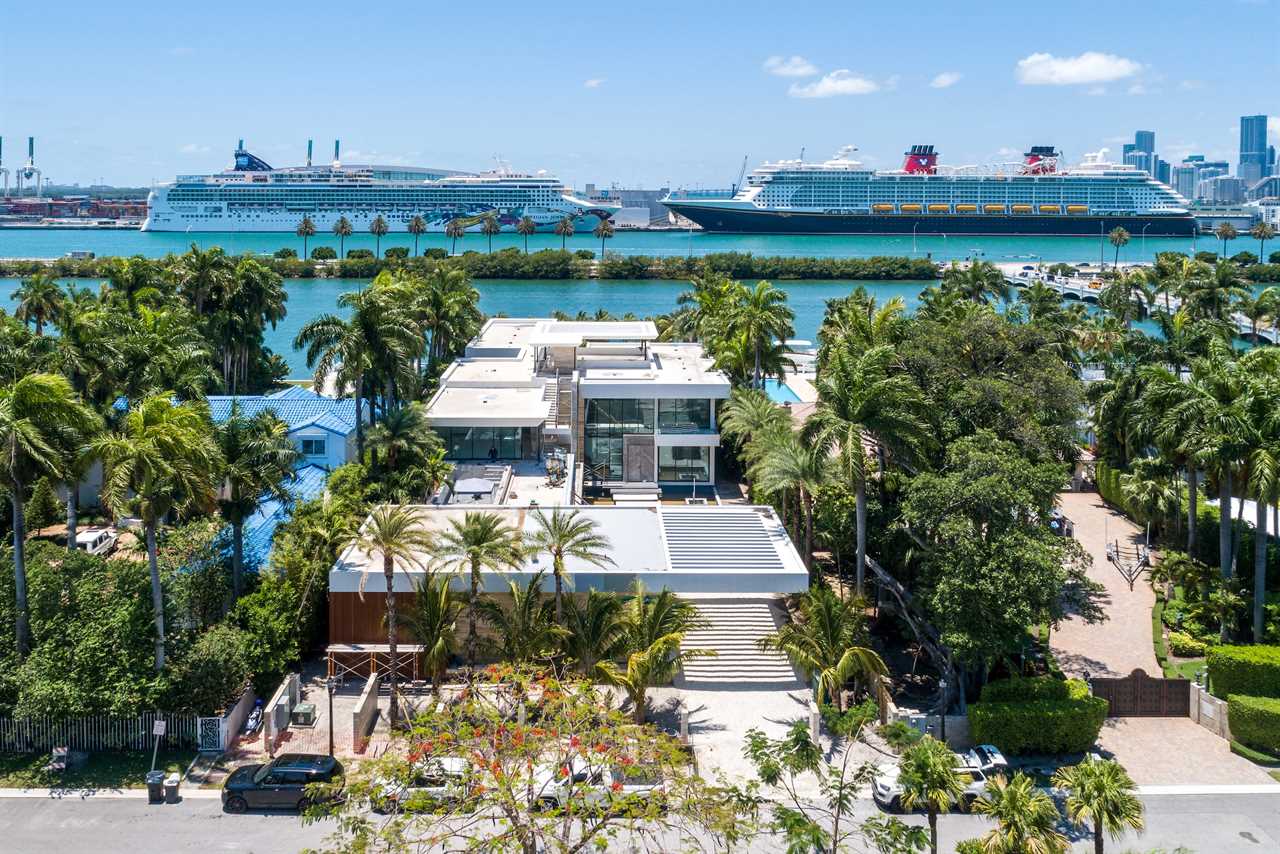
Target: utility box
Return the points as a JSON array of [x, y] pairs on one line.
[[304, 714]]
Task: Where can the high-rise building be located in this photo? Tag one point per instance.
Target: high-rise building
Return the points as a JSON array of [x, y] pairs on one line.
[[1221, 190], [1254, 160], [1145, 140], [1184, 180]]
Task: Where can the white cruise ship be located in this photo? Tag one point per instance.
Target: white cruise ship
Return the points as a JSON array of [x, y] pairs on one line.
[[254, 196]]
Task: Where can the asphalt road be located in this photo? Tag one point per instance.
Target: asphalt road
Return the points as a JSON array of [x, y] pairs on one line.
[[1206, 824]]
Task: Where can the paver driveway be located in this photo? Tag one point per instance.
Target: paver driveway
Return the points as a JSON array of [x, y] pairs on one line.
[[1176, 751]]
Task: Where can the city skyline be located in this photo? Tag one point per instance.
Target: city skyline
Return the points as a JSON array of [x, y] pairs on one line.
[[678, 98]]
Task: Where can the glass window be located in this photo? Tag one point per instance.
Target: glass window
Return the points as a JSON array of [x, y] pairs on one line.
[[313, 447], [684, 414], [684, 464], [607, 421]]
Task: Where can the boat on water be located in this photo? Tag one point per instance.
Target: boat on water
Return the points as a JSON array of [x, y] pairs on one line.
[[254, 196], [1032, 197]]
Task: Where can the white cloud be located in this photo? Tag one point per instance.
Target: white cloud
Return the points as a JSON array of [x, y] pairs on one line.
[[839, 82], [594, 82], [192, 148], [790, 66], [945, 79], [1045, 69]]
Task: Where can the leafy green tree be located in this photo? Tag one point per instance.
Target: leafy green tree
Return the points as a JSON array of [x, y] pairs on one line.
[[829, 642], [455, 230], [1118, 237], [930, 779], [490, 227], [564, 230], [524, 228], [1100, 793], [258, 461], [417, 227], [378, 228], [602, 232], [567, 533], [433, 623], [1027, 818], [397, 535], [214, 671], [306, 230], [40, 298], [42, 426], [163, 459], [481, 541], [342, 230]]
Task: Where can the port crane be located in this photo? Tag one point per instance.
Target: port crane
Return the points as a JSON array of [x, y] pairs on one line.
[[30, 170], [4, 171], [741, 174]]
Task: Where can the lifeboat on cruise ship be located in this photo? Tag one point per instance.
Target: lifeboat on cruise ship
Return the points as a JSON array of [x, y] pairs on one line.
[[1050, 209], [1077, 209], [966, 208], [1022, 209], [939, 208], [882, 208], [993, 209], [910, 208]]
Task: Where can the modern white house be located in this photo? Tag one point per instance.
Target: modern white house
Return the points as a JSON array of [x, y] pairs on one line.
[[630, 410]]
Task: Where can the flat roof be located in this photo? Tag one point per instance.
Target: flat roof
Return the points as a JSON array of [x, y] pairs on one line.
[[690, 549], [466, 406], [478, 371], [570, 333], [670, 369]]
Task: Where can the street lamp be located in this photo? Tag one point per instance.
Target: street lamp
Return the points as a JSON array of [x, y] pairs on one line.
[[942, 686], [1144, 239], [330, 684]]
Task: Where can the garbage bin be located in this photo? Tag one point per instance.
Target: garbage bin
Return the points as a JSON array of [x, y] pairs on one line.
[[155, 787], [171, 788]]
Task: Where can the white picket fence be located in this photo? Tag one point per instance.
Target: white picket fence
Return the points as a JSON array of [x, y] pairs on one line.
[[99, 732]]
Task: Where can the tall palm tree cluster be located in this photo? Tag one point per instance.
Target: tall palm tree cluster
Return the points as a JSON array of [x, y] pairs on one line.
[[1191, 409], [743, 328], [632, 642]]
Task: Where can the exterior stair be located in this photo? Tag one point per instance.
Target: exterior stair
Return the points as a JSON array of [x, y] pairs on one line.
[[736, 625], [550, 393]]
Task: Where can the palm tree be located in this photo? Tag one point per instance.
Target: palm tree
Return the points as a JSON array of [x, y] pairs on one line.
[[602, 232], [1210, 296], [526, 630], [861, 398], [489, 227], [564, 229], [567, 533], [40, 298], [656, 664], [1264, 485], [404, 432], [453, 230], [524, 228], [200, 274], [417, 227], [1262, 232], [749, 418], [162, 460], [1224, 232], [977, 281], [132, 277], [1118, 237], [397, 534], [595, 630], [763, 317], [481, 541], [306, 230], [828, 642], [1099, 792], [258, 458], [433, 623], [342, 230], [930, 778], [378, 228], [1027, 818], [791, 466], [42, 426], [1259, 308]]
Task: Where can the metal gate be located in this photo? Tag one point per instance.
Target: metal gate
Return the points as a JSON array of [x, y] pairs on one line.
[[1139, 695]]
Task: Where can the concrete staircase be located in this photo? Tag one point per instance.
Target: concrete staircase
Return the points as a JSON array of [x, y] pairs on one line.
[[736, 624]]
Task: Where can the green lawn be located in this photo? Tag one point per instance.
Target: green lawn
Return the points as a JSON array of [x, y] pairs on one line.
[[106, 770], [1183, 669]]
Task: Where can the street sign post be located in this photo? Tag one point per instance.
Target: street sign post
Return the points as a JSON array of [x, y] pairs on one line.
[[158, 730]]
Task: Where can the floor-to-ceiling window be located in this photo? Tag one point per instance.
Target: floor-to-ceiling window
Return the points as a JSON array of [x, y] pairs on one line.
[[690, 414], [684, 464], [607, 421], [486, 443]]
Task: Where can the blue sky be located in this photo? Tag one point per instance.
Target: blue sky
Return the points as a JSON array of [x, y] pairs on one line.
[[641, 93]]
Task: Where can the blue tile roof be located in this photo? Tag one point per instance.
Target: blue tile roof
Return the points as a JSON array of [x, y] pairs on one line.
[[295, 406], [260, 528]]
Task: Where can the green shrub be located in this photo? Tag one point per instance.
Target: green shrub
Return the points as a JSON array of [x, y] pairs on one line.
[[1185, 646], [1259, 757], [1039, 726], [1253, 671], [1157, 630], [43, 507], [970, 846], [214, 671], [359, 253], [899, 735], [285, 253], [848, 722], [400, 252], [324, 253], [1018, 690], [1255, 721]]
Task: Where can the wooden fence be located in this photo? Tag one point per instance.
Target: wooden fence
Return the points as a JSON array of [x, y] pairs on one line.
[[99, 732]]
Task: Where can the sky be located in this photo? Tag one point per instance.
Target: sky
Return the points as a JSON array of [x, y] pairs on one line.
[[646, 94]]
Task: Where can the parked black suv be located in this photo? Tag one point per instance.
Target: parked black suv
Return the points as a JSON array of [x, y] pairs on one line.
[[280, 784]]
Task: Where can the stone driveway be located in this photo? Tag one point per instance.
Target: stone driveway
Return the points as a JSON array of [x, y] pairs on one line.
[[1176, 751], [1121, 643]]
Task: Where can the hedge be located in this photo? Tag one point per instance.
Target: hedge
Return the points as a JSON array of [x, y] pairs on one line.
[[1252, 671], [1039, 726], [1018, 690], [1185, 646], [1255, 721]]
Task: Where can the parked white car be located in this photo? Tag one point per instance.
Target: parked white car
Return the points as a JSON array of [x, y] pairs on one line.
[[986, 758], [433, 783], [597, 785], [96, 541], [887, 790]]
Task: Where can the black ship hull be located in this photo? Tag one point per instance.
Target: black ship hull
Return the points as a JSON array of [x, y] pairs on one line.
[[737, 220]]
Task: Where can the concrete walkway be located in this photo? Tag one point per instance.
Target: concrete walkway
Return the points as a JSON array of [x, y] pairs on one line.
[[1122, 642]]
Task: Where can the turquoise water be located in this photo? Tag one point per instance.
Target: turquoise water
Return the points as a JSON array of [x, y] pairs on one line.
[[780, 392], [53, 243], [309, 298]]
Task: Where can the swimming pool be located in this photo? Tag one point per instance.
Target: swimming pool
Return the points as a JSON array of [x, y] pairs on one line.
[[780, 392]]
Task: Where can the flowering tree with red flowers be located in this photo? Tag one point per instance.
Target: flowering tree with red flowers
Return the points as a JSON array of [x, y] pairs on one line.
[[537, 764]]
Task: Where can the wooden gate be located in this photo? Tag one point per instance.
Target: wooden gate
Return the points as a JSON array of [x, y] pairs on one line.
[[1139, 695]]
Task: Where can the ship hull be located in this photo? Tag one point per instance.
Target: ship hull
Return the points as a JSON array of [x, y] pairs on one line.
[[756, 221]]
